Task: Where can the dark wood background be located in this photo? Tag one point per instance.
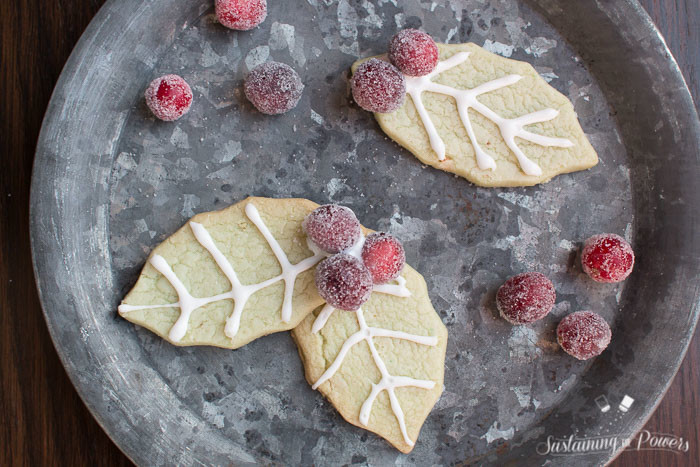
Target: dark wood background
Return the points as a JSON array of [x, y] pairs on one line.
[[43, 420]]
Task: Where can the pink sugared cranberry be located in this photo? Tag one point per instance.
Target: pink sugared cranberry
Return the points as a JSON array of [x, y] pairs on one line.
[[413, 52], [273, 88], [607, 258], [583, 334], [378, 86], [332, 228], [525, 298], [384, 256], [343, 282], [241, 15], [169, 97]]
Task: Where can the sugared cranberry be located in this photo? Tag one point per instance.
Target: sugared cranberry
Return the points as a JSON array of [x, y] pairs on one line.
[[384, 256], [413, 52], [607, 258], [169, 97], [583, 334], [273, 88], [343, 282], [525, 298], [241, 15], [378, 86], [332, 228]]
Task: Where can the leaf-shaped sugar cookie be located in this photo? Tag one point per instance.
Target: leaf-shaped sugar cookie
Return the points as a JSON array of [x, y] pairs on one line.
[[489, 119], [228, 277], [382, 367]]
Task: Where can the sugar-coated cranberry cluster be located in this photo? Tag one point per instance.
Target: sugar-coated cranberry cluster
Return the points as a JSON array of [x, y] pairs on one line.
[[275, 88], [345, 279], [380, 86], [272, 87], [530, 296]]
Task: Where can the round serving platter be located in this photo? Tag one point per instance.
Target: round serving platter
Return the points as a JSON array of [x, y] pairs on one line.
[[110, 182]]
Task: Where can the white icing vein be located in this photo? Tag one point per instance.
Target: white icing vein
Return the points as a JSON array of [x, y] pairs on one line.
[[239, 293], [322, 318], [399, 290], [388, 382], [467, 99]]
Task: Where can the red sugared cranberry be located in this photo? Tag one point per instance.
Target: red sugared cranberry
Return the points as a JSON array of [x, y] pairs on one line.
[[607, 258], [273, 88], [241, 15], [525, 298], [332, 228], [378, 86], [343, 282], [583, 334], [169, 97], [384, 256], [413, 52]]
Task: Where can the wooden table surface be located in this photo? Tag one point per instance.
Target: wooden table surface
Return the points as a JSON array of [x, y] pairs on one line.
[[44, 421]]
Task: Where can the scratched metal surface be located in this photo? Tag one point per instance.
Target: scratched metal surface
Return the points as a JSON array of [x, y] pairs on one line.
[[110, 183]]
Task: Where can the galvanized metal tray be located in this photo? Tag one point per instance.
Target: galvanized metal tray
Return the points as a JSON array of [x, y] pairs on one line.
[[110, 182]]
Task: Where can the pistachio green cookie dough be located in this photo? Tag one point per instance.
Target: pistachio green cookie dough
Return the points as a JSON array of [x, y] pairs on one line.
[[392, 347], [200, 277], [531, 133]]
